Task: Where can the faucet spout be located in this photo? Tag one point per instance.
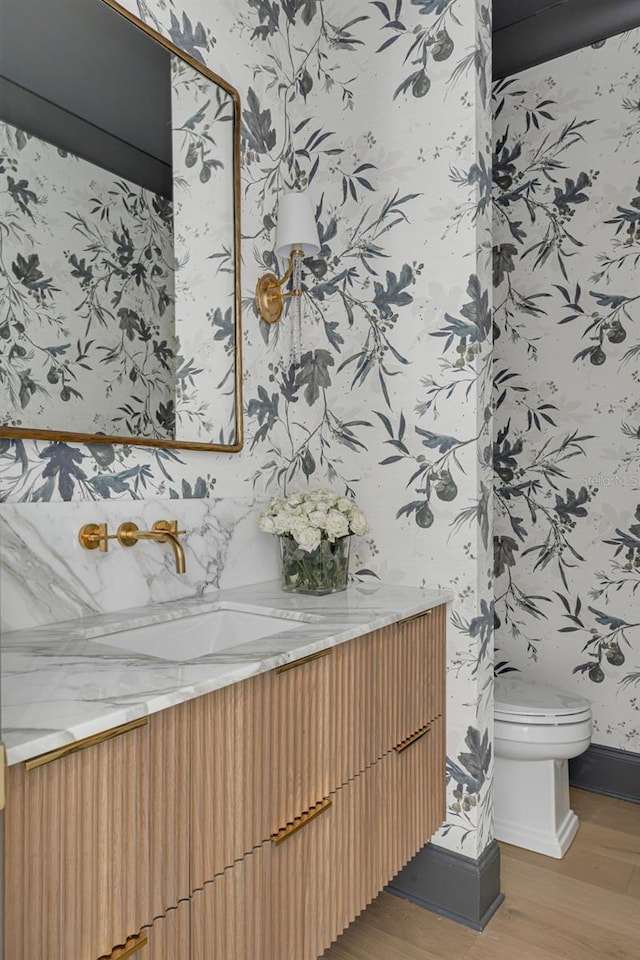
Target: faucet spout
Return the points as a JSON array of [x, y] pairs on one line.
[[163, 531], [166, 536]]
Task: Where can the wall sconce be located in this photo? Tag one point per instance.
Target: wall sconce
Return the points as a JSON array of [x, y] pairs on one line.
[[296, 238]]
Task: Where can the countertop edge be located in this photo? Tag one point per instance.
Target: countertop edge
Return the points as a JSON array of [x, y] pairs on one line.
[[226, 674]]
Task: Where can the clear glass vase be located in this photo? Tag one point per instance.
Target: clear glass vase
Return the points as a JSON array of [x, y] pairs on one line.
[[320, 571]]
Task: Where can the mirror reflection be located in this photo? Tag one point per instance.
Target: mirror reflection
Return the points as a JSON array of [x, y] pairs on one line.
[[119, 305]]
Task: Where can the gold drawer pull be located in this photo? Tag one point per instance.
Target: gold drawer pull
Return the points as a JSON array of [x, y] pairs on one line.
[[298, 663], [414, 616], [285, 832], [84, 744], [132, 946], [409, 741]]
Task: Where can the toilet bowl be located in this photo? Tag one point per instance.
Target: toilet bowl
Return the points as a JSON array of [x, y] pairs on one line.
[[537, 730]]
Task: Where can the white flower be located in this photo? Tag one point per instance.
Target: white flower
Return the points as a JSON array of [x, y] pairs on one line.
[[337, 525], [318, 518], [307, 537], [358, 523], [312, 515], [283, 521], [266, 523]]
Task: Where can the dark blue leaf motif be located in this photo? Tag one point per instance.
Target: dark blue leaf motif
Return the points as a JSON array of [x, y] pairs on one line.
[[477, 325], [395, 294], [188, 37], [199, 491], [572, 193], [22, 196], [572, 506], [437, 441], [471, 772], [107, 483], [256, 125], [609, 300], [64, 464], [269, 16], [313, 373], [504, 551], [265, 409], [426, 7], [606, 620]]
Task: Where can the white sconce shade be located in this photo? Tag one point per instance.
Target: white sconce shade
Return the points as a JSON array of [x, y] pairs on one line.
[[297, 229], [296, 238]]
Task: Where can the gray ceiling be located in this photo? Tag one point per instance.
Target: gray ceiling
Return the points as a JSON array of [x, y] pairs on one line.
[[527, 32], [80, 56], [77, 74]]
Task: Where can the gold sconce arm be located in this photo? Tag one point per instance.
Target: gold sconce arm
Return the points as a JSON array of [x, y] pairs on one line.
[[269, 295]]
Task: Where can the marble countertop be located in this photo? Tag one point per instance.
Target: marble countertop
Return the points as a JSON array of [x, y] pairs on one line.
[[69, 680]]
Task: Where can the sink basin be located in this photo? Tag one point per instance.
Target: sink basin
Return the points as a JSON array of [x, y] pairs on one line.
[[199, 635]]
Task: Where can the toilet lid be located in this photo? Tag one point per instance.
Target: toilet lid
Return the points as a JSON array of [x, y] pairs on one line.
[[536, 703]]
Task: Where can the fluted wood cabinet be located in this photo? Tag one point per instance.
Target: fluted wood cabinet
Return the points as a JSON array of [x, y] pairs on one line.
[[169, 937], [76, 869], [168, 862], [253, 823]]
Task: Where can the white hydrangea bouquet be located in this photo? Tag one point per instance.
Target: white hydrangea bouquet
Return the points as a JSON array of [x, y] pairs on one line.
[[314, 529]]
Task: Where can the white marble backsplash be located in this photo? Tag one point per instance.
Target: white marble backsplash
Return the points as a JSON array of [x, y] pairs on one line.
[[46, 576]]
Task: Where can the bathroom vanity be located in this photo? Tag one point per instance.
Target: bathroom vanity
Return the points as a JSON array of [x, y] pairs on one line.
[[243, 804]]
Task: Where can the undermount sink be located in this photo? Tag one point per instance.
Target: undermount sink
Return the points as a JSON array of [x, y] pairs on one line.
[[199, 635]]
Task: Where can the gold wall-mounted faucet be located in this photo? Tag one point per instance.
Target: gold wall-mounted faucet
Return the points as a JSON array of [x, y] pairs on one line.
[[162, 531], [96, 536]]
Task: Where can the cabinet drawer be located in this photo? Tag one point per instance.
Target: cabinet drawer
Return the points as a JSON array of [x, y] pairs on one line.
[[258, 757], [169, 937], [231, 917], [264, 750], [76, 857], [385, 685], [355, 704], [169, 828], [290, 898], [326, 873]]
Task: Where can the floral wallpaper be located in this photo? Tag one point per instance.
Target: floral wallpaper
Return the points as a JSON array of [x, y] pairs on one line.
[[566, 214], [382, 110], [202, 136], [86, 301]]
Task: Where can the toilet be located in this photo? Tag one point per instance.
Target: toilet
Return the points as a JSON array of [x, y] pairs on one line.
[[537, 730]]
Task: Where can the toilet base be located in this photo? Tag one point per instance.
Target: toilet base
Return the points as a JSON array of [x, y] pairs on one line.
[[531, 805], [551, 845]]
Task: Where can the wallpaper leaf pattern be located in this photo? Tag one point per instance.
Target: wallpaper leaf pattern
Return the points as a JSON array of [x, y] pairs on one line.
[[133, 334], [86, 309], [204, 224], [389, 398], [567, 489]]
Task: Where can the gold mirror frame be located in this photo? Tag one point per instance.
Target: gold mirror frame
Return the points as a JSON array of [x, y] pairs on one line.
[[15, 433]]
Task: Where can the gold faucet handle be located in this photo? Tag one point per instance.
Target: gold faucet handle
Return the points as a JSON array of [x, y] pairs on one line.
[[127, 534], [168, 526], [94, 536]]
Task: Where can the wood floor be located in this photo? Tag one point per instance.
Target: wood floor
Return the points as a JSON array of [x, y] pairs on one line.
[[583, 907]]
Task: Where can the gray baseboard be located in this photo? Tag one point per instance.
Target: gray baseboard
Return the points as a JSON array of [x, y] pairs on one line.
[[458, 887], [601, 769]]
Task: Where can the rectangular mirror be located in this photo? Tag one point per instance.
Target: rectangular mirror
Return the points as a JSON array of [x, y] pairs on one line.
[[119, 233]]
